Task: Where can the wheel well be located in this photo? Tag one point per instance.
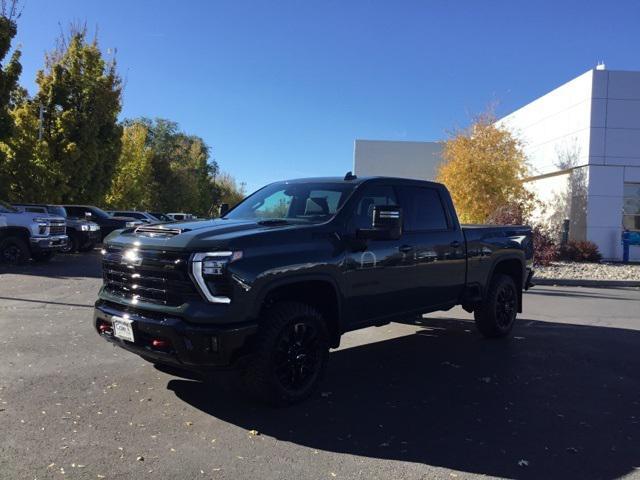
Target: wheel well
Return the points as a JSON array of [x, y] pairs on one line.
[[20, 232], [513, 268], [319, 294]]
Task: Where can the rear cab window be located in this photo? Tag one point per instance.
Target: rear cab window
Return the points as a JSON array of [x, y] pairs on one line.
[[423, 209]]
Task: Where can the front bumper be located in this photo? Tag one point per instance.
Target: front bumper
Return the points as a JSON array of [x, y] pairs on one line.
[[87, 237], [194, 347], [48, 244]]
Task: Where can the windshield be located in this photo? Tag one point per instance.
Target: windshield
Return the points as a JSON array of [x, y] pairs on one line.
[[98, 212], [6, 208], [57, 210], [307, 202]]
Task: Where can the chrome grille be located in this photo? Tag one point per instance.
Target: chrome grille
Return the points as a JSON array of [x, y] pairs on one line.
[[158, 231], [151, 276], [57, 228]]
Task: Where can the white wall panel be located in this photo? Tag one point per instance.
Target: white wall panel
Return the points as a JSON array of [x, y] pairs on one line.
[[608, 241], [605, 181], [622, 142], [604, 211], [624, 85], [623, 113], [632, 174]]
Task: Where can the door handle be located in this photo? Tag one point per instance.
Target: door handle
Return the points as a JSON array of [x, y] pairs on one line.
[[454, 244], [405, 248]]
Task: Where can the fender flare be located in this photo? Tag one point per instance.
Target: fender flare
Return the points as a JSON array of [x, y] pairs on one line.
[[264, 291], [506, 257]]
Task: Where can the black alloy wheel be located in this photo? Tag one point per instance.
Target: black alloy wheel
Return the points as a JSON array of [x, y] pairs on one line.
[[506, 305], [14, 251], [290, 355], [298, 356], [496, 315]]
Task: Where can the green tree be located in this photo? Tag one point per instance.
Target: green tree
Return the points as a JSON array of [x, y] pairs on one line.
[[483, 168], [133, 176], [227, 191], [178, 170], [77, 144], [81, 96], [9, 74]]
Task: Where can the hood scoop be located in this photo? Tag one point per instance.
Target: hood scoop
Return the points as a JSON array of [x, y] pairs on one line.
[[156, 231]]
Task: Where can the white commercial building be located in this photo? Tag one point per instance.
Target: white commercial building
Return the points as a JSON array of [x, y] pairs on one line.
[[583, 144]]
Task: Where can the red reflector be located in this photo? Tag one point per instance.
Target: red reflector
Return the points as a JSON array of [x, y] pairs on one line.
[[158, 343], [104, 328]]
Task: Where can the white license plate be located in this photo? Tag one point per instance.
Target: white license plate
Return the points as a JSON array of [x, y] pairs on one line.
[[122, 328]]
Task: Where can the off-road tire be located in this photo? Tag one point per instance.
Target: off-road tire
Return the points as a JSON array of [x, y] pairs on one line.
[[14, 251], [496, 315], [72, 244], [292, 341]]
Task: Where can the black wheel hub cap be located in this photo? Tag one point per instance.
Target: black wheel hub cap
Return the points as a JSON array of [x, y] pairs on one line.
[[11, 254], [297, 358], [506, 306]]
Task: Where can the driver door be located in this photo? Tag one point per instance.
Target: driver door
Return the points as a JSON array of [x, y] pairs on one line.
[[377, 273]]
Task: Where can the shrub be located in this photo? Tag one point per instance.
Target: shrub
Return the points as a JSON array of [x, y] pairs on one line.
[[580, 251], [545, 250], [510, 214]]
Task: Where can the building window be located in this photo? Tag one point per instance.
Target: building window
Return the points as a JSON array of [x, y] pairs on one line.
[[631, 211]]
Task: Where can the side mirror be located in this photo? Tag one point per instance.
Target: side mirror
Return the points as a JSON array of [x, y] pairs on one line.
[[386, 225], [224, 208]]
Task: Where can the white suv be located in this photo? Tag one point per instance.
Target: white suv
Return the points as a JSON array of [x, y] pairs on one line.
[[25, 234]]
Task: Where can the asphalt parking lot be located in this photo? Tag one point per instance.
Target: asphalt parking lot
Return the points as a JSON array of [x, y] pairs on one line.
[[559, 399]]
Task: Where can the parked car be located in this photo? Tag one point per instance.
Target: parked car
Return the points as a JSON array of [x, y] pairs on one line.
[[107, 222], [161, 216], [144, 217], [272, 285], [179, 216], [83, 234], [27, 235]]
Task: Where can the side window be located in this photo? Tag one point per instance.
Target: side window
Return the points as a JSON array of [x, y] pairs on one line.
[[422, 208], [35, 210], [73, 211], [371, 197]]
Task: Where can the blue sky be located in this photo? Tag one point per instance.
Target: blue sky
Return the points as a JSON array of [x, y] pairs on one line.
[[281, 89]]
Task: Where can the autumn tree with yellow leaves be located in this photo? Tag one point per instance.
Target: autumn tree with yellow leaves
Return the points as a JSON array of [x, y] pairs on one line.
[[483, 167]]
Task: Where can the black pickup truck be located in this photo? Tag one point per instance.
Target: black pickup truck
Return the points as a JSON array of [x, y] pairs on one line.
[[275, 282]]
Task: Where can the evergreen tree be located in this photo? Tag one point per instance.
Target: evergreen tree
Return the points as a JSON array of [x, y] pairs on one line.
[[9, 74], [66, 139]]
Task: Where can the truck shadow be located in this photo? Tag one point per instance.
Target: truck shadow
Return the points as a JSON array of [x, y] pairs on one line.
[[553, 401], [87, 265]]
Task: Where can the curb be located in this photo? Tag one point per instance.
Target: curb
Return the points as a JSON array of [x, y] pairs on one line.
[[570, 282]]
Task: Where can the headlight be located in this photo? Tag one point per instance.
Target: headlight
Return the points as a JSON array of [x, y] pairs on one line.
[[43, 225], [208, 271], [94, 227], [84, 228], [130, 224]]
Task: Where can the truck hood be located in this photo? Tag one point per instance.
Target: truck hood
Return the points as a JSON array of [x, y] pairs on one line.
[[193, 235]]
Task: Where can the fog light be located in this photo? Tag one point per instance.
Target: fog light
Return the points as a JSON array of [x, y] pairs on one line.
[[104, 327], [160, 343]]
